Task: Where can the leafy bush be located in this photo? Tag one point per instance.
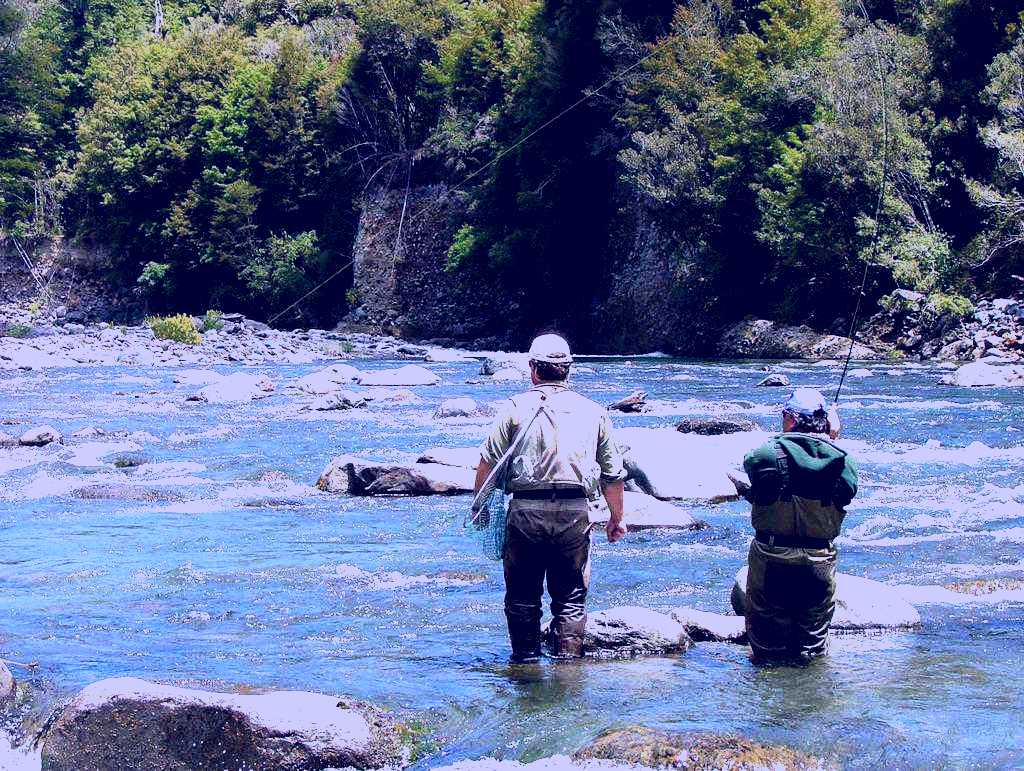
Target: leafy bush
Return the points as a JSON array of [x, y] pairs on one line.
[[212, 320], [17, 330], [955, 305], [180, 328]]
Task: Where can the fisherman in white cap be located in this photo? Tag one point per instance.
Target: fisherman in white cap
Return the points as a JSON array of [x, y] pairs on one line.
[[800, 484], [566, 458]]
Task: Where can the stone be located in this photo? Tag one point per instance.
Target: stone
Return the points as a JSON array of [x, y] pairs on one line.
[[89, 432], [7, 441], [8, 687], [124, 492], [644, 512], [643, 746], [981, 374], [463, 407], [342, 400], [328, 380], [861, 604], [494, 364], [715, 426], [704, 626], [358, 476], [234, 389], [409, 375], [40, 436], [633, 631], [774, 380], [672, 466], [509, 375], [444, 356], [135, 725], [635, 402], [463, 457], [764, 339]]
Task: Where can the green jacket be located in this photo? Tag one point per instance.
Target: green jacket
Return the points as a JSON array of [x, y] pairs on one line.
[[800, 485]]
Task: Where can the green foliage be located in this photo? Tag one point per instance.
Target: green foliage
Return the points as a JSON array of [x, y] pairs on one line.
[[18, 330], [212, 320], [465, 244], [180, 328], [954, 305]]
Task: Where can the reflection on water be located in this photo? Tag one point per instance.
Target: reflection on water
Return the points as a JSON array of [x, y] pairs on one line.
[[216, 563]]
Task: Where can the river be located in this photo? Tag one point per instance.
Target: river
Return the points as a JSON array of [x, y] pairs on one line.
[[236, 571]]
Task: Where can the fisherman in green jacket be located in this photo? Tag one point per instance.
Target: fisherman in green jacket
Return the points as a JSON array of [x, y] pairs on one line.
[[800, 484]]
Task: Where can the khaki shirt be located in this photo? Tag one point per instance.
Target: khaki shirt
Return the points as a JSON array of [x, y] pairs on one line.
[[570, 443]]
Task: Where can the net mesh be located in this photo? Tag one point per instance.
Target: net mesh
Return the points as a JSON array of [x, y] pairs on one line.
[[491, 524]]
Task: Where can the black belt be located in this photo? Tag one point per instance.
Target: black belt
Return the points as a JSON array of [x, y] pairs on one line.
[[550, 494], [792, 542]]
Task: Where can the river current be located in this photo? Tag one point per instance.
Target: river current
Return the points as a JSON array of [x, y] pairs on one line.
[[233, 570]]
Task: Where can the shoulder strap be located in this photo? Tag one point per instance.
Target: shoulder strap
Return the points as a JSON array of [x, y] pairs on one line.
[[782, 464]]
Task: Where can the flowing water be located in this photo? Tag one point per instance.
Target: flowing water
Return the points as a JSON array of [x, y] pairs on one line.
[[227, 567]]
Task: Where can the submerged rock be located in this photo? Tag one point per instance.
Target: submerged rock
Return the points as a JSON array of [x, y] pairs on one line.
[[979, 374], [660, 749], [463, 407], [121, 492], [715, 426], [704, 626], [642, 512], [409, 375], [633, 631], [672, 466], [341, 400], [135, 725], [40, 436], [861, 603], [358, 476]]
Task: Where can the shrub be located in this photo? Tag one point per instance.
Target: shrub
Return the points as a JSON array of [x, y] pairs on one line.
[[955, 305], [18, 330], [212, 320], [179, 328]]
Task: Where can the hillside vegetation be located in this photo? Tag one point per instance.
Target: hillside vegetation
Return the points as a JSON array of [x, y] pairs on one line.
[[223, 150]]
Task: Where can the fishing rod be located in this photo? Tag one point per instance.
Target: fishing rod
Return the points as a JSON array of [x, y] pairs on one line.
[[876, 229]]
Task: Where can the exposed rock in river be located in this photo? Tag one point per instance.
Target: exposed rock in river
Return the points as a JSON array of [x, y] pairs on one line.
[[234, 389], [135, 725], [860, 604], [635, 402], [123, 492], [715, 426], [642, 511], [774, 381], [660, 749], [633, 631], [40, 436], [463, 407], [704, 626], [358, 476], [328, 380], [986, 374]]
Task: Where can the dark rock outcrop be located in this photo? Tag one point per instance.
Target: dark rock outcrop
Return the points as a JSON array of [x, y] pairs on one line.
[[704, 626], [763, 339], [358, 476], [715, 426], [633, 631], [40, 436], [123, 492], [635, 402], [660, 749], [134, 725]]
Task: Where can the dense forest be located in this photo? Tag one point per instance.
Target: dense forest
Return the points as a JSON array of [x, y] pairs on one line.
[[222, 150]]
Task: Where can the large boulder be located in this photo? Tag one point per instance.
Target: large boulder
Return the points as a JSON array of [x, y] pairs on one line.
[[635, 402], [861, 603], [338, 400], [763, 339], [661, 749], [135, 725], [236, 388], [672, 466], [704, 626], [358, 476], [40, 436], [715, 426], [517, 361], [328, 380], [980, 374], [409, 375], [775, 380], [642, 512], [633, 631]]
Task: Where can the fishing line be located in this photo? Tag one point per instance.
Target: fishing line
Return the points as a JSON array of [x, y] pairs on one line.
[[873, 252], [437, 201]]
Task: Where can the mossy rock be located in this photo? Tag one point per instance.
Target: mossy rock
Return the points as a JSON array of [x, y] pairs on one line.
[[705, 751]]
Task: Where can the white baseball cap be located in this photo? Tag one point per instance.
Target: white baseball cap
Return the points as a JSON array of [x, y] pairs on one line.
[[805, 401], [552, 349]]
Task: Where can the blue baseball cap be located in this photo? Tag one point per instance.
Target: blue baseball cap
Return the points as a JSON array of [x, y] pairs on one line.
[[805, 401]]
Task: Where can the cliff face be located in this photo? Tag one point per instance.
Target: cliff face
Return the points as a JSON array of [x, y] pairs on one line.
[[400, 280]]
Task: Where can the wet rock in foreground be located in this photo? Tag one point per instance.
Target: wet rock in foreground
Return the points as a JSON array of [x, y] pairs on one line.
[[41, 436], [704, 626], [861, 604], [135, 725], [642, 512], [358, 476], [660, 749], [633, 631]]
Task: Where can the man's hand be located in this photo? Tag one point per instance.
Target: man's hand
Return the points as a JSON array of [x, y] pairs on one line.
[[741, 484], [834, 424], [615, 529], [613, 495]]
